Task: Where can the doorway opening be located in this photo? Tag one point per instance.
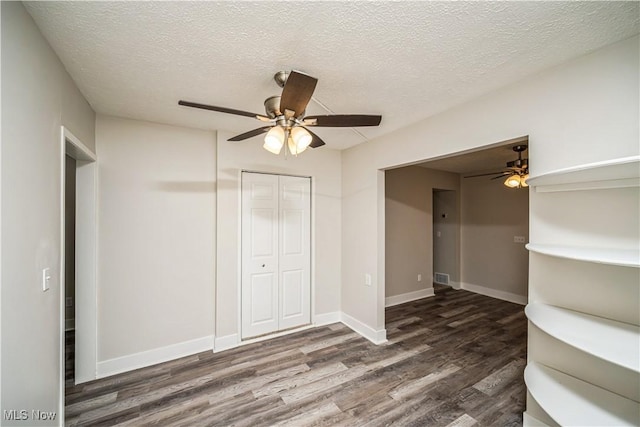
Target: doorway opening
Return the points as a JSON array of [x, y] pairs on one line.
[[78, 231], [446, 227]]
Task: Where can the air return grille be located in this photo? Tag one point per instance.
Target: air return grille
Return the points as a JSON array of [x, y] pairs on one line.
[[441, 278]]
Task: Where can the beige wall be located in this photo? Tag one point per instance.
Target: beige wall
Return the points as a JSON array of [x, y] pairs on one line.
[[409, 226], [156, 228], [324, 166], [492, 215], [583, 111], [38, 96]]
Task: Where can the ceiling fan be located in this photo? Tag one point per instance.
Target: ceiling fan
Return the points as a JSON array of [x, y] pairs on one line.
[[285, 115], [516, 172]]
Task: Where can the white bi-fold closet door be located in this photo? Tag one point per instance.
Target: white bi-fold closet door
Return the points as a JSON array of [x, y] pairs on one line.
[[276, 253]]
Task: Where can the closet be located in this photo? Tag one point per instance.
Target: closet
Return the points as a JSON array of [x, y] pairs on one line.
[[276, 253]]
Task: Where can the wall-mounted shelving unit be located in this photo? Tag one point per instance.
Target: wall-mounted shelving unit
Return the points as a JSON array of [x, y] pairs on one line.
[[573, 402], [619, 257], [615, 342], [572, 399], [617, 173]]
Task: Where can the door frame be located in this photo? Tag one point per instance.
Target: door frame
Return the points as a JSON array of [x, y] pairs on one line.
[[312, 281], [86, 259]]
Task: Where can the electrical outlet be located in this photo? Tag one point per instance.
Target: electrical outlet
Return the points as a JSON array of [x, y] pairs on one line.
[[518, 239], [68, 302], [419, 277]]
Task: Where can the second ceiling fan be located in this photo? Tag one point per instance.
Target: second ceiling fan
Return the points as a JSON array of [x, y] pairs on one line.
[[285, 115], [516, 172]]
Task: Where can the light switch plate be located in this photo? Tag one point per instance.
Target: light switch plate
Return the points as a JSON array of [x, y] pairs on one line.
[[367, 279], [518, 239], [46, 279]]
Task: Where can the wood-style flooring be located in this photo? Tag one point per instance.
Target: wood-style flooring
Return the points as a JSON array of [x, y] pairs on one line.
[[455, 359]]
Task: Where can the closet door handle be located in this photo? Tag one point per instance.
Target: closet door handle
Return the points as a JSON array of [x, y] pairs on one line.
[[262, 265]]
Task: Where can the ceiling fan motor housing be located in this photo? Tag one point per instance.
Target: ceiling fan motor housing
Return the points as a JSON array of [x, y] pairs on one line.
[[272, 106]]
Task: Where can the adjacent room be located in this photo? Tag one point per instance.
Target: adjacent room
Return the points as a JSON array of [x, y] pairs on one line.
[[320, 213]]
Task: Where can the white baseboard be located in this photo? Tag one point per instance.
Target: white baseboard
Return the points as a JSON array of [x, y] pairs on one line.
[[495, 293], [376, 337], [408, 297], [69, 324], [455, 285], [226, 342], [326, 318], [151, 357]]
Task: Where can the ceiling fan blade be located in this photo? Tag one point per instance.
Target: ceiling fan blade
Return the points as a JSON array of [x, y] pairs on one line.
[[223, 110], [250, 134], [490, 173], [503, 175], [316, 141], [343, 120], [297, 92]]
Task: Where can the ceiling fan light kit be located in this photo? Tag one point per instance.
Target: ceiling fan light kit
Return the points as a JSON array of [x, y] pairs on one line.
[[286, 114], [517, 171]]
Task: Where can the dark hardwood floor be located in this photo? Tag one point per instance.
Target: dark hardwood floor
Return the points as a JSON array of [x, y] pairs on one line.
[[456, 359]]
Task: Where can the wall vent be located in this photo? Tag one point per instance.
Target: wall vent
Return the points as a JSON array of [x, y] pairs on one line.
[[441, 278]]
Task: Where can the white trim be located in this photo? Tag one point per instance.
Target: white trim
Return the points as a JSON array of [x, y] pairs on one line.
[[455, 285], [226, 342], [69, 324], [151, 357], [495, 293], [408, 297], [76, 148], [376, 337], [529, 421], [61, 282], [85, 360], [326, 318]]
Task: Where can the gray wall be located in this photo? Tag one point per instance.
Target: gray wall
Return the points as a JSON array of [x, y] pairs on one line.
[[492, 215], [38, 96], [409, 226], [156, 251]]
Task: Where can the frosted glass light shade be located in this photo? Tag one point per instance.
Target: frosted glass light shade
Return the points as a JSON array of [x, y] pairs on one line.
[[523, 180], [301, 140], [274, 140], [513, 181]]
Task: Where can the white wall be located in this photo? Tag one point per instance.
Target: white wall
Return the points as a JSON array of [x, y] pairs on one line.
[[156, 246], [38, 96], [324, 166], [409, 227], [583, 111], [492, 214]]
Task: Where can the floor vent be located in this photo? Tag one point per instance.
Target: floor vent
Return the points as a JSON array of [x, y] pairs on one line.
[[441, 278]]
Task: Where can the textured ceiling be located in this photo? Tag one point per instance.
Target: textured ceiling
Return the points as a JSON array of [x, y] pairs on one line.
[[404, 60]]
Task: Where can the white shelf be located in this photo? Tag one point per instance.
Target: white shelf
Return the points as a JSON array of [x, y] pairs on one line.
[[619, 257], [572, 402], [617, 173], [614, 342]]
